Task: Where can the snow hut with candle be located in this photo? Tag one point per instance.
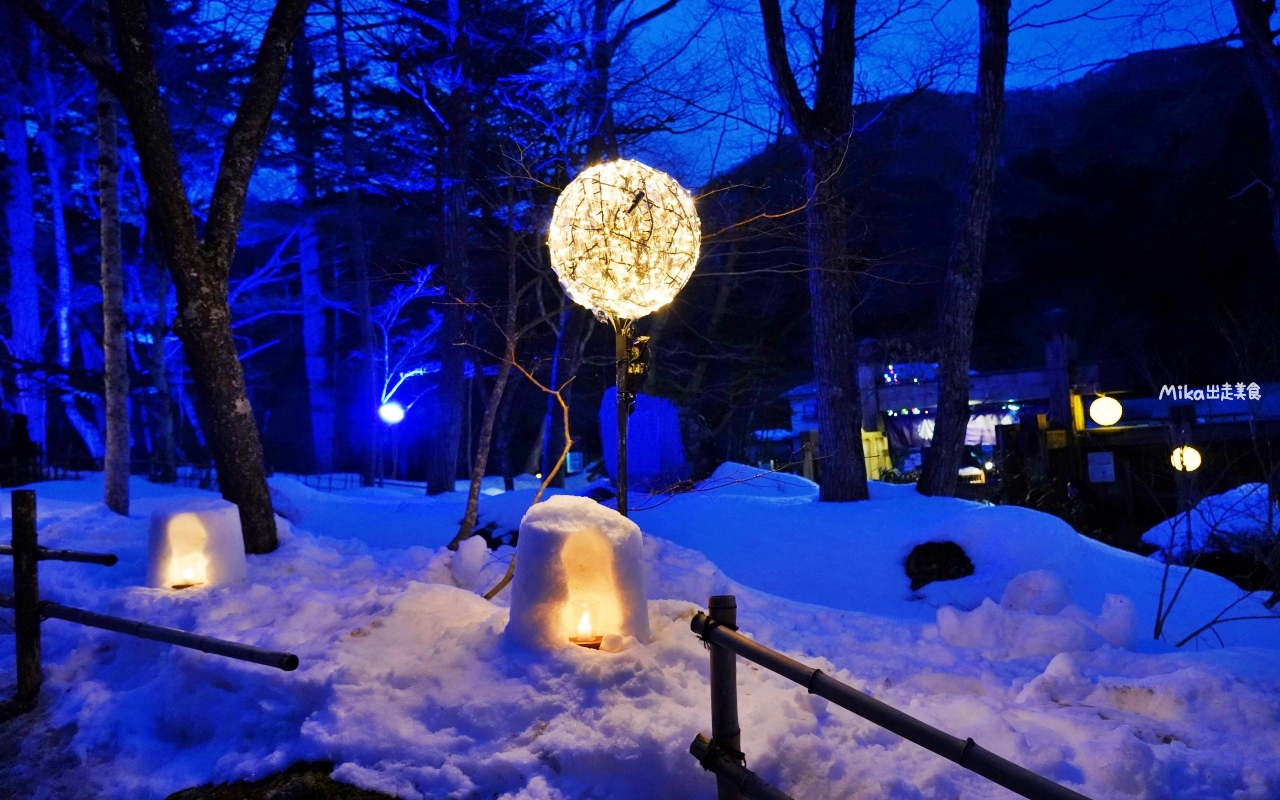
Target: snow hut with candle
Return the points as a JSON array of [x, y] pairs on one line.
[[195, 543], [579, 577]]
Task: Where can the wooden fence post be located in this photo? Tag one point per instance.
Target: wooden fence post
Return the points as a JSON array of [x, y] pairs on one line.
[[726, 736], [26, 596]]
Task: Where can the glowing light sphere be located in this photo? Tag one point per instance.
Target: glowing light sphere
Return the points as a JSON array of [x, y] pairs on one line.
[[624, 239], [1185, 459], [391, 413], [1105, 411]]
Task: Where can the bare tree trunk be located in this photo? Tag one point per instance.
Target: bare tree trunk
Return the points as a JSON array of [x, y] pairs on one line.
[[607, 33], [204, 325], [200, 265], [964, 274], [506, 466], [575, 328], [163, 452], [533, 462], [728, 266], [835, 346], [53, 164], [483, 444], [824, 132], [1262, 54], [446, 424], [602, 140], [368, 394], [446, 430], [1273, 556], [48, 140], [25, 336], [494, 401], [115, 489], [314, 340]]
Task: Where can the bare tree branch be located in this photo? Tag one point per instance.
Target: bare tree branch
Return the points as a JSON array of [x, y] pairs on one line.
[[97, 62]]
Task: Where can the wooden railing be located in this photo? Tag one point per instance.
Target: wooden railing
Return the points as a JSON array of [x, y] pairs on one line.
[[30, 611], [721, 754]]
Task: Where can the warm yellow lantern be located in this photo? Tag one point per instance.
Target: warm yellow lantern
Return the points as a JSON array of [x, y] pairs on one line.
[[580, 577], [624, 239], [195, 543], [1105, 410], [187, 570], [1185, 458], [586, 632]]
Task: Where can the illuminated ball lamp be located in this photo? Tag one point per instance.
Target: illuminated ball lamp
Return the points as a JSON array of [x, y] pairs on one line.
[[1185, 458], [624, 239], [195, 542], [1105, 411], [579, 578], [391, 413]]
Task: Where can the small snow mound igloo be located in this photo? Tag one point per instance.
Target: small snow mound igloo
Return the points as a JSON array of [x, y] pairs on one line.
[[195, 543], [579, 575]]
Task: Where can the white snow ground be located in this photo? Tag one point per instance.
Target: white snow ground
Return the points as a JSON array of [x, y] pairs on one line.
[[408, 684]]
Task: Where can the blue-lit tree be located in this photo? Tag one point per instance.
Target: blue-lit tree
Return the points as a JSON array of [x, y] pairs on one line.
[[49, 128], [407, 346], [115, 372], [56, 119], [448, 64], [24, 341], [199, 260], [322, 406]]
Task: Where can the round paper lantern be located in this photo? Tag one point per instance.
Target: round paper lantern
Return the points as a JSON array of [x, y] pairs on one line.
[[1105, 411], [1185, 459], [624, 239]]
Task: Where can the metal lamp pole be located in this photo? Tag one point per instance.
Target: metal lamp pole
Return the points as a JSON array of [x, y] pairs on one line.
[[623, 240], [622, 354]]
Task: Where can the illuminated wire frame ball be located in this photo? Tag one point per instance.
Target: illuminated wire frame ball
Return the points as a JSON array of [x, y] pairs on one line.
[[624, 239]]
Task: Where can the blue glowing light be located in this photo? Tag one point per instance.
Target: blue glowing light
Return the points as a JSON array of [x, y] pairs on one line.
[[391, 413]]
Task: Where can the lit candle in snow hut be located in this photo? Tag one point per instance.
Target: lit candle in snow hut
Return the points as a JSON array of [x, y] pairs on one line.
[[586, 613]]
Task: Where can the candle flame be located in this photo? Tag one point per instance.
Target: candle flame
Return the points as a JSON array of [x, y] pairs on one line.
[[188, 570], [584, 627]]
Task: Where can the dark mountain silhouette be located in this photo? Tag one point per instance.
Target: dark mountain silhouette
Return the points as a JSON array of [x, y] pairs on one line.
[[1127, 197]]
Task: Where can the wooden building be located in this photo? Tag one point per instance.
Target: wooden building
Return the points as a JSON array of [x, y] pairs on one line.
[[1032, 441]]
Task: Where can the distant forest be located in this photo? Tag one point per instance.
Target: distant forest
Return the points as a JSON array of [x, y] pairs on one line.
[[1127, 197]]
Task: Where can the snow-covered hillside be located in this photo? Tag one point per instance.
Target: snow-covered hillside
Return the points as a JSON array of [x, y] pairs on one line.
[[1043, 655]]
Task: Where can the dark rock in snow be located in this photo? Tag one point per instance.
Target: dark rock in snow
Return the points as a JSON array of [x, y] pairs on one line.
[[936, 561], [304, 781]]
